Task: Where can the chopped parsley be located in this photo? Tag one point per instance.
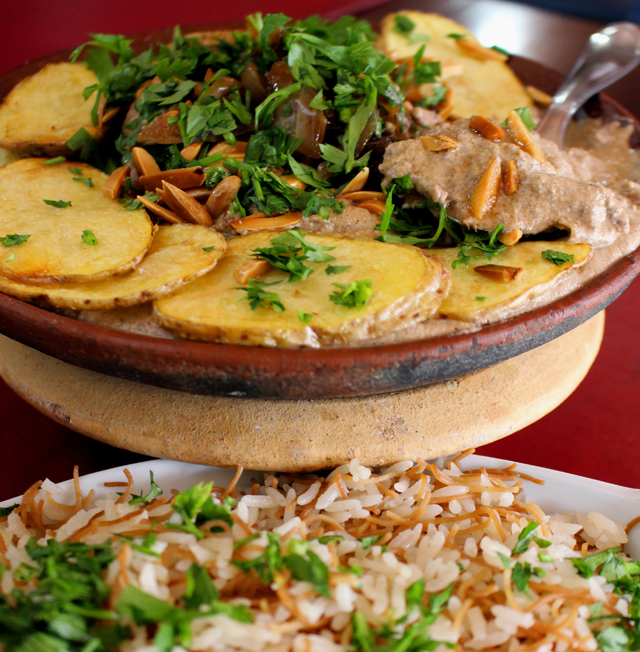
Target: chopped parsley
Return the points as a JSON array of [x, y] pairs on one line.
[[258, 297], [403, 24], [10, 258], [354, 295], [54, 161], [557, 257], [367, 542], [304, 317], [456, 36], [525, 538], [57, 203], [336, 269], [89, 238], [481, 298], [5, 511], [14, 240], [211, 248], [154, 492], [525, 116], [481, 241], [76, 171], [86, 180]]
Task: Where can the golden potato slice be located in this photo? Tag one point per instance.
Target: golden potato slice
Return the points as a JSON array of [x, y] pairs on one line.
[[408, 286], [484, 87], [178, 254], [55, 249], [43, 111], [474, 297]]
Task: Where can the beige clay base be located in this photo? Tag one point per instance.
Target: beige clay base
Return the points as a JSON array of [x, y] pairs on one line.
[[305, 435]]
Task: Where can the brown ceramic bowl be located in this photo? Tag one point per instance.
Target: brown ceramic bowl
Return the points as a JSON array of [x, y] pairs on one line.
[[229, 370]]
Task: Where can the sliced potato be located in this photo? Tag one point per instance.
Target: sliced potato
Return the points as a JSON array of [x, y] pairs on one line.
[[43, 111], [484, 87], [55, 250], [474, 297], [178, 254], [408, 286]]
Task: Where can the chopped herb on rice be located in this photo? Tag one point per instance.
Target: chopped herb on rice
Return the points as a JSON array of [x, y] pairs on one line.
[[413, 557]]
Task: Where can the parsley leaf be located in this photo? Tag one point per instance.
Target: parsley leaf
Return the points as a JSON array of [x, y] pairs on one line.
[[259, 298], [354, 295], [86, 180], [525, 538], [525, 116], [200, 589], [481, 241], [14, 239], [304, 317], [521, 574], [306, 566], [57, 203], [367, 542], [587, 566], [336, 269], [89, 238], [266, 565], [211, 248], [54, 161], [557, 257], [154, 492], [403, 24], [5, 511]]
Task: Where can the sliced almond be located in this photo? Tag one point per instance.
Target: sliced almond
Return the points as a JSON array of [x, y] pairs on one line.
[[181, 178], [362, 195], [292, 180], [499, 273], [251, 269], [358, 182], [222, 195], [185, 207], [519, 132], [486, 128], [538, 96], [144, 162], [190, 152], [510, 238], [439, 143], [479, 51], [373, 205], [450, 69], [160, 211], [109, 114], [486, 191], [236, 151], [115, 183], [510, 178], [199, 194], [278, 223]]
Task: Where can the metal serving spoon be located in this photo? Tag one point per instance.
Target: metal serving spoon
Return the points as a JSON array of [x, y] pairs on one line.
[[609, 55]]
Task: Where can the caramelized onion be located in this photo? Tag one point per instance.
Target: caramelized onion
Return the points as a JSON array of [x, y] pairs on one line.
[[253, 81]]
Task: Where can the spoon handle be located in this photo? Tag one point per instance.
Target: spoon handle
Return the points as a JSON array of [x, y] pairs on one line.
[[609, 55]]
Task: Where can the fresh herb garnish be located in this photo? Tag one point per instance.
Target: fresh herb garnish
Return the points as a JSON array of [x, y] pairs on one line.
[[5, 511], [258, 297], [336, 269], [525, 116], [211, 248], [482, 241], [304, 317], [54, 161], [557, 257], [525, 538], [57, 203], [14, 239], [354, 295], [89, 238], [154, 492], [76, 171], [86, 180], [367, 542]]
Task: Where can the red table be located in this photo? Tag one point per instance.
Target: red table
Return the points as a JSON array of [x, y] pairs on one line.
[[594, 433]]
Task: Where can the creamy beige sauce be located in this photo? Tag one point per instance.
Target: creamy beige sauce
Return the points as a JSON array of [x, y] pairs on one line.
[[596, 156]]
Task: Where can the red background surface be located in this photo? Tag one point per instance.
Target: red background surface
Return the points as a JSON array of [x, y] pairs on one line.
[[594, 433]]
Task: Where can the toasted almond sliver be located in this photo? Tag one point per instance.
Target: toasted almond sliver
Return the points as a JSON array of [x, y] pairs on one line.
[[499, 273], [486, 128], [373, 205], [486, 190], [144, 162], [185, 207], [511, 237], [115, 183], [519, 132], [358, 182], [361, 195], [199, 194], [263, 223], [251, 269], [191, 151], [160, 211], [538, 96], [439, 143], [510, 178], [110, 114], [180, 178], [450, 69], [479, 51], [222, 195], [292, 180]]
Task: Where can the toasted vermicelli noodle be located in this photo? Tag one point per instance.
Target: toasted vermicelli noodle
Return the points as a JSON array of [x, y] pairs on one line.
[[414, 553]]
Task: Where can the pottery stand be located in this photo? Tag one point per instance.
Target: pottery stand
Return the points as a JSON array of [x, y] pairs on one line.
[[302, 435]]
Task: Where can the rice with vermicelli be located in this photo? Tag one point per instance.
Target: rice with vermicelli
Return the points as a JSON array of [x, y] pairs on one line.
[[415, 557]]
